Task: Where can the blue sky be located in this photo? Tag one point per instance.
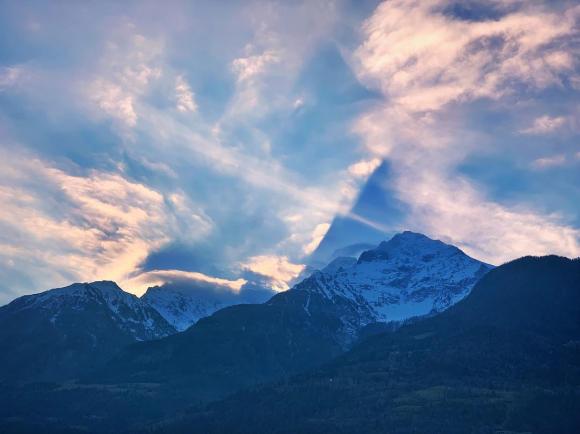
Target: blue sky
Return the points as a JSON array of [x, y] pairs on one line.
[[220, 142]]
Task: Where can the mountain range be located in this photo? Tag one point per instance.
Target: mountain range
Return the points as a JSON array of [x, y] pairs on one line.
[[380, 342], [84, 325]]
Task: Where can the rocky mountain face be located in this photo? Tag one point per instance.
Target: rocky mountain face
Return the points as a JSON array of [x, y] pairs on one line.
[[505, 359], [58, 333]]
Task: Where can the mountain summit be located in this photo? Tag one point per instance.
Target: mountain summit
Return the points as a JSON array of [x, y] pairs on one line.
[[411, 275]]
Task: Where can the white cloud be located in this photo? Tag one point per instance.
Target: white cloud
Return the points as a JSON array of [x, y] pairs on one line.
[[364, 168], [298, 103], [125, 72], [184, 95], [114, 101], [151, 278], [547, 162], [247, 68], [544, 125], [317, 236], [277, 268]]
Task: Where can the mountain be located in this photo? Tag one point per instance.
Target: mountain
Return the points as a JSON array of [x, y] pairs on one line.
[[182, 304], [307, 325], [408, 276], [54, 335], [505, 359]]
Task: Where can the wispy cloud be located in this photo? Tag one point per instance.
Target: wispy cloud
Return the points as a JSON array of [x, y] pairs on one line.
[[130, 64], [545, 124], [547, 162], [317, 236], [278, 269], [151, 278], [364, 168], [10, 76], [456, 211], [248, 68], [184, 95]]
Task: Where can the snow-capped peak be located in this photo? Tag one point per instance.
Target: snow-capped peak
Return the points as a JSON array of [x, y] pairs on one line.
[[412, 244], [131, 314], [407, 276]]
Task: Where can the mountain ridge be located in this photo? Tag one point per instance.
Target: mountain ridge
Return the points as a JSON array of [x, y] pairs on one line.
[[294, 330]]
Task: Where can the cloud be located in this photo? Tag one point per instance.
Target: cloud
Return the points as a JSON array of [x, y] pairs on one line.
[[545, 124], [317, 236], [10, 76], [278, 269], [424, 59], [364, 168], [124, 74], [60, 226], [427, 64], [184, 95], [151, 278], [114, 101], [547, 162], [247, 68]]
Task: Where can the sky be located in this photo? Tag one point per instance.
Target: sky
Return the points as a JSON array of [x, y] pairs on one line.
[[229, 143]]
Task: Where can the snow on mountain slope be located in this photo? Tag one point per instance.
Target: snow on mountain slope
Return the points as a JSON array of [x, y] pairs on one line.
[[129, 313], [182, 305], [181, 308], [408, 276]]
